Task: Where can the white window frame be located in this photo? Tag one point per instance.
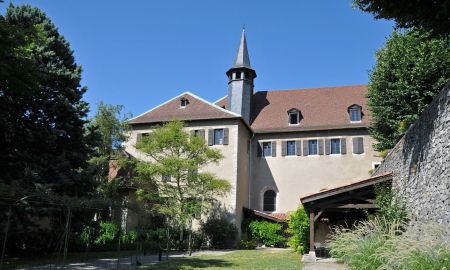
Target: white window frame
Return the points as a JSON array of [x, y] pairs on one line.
[[184, 101], [214, 136], [295, 149], [298, 118], [331, 148], [262, 149], [266, 188], [317, 147], [360, 114]]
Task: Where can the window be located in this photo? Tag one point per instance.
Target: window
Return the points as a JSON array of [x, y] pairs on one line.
[[218, 136], [184, 102], [312, 146], [269, 201], [166, 178], [267, 149], [335, 146], [238, 75], [290, 148], [355, 115], [358, 145], [140, 136], [293, 118]]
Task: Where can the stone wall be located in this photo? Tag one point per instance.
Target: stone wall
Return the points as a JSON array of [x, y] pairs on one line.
[[420, 163]]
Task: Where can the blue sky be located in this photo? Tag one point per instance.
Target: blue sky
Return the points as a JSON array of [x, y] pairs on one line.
[[141, 53]]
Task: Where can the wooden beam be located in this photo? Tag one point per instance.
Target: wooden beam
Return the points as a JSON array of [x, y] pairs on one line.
[[342, 198], [311, 231], [355, 206], [318, 215]]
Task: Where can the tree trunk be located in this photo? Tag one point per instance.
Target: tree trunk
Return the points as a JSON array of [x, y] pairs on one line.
[[190, 239], [167, 242]]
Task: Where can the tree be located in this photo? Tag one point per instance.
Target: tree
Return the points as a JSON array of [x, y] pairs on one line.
[[299, 230], [410, 70], [43, 115], [112, 127], [175, 160], [429, 15]]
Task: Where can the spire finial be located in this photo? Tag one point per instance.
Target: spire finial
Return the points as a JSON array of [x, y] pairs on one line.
[[242, 58]]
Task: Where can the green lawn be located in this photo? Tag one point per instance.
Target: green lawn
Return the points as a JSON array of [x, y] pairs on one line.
[[242, 259]]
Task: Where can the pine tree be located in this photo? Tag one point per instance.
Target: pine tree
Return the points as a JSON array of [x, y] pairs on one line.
[[43, 115]]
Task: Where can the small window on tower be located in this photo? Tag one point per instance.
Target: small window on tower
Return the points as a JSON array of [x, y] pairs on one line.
[[238, 75]]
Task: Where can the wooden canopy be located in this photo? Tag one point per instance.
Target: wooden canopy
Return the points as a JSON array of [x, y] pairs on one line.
[[342, 201]]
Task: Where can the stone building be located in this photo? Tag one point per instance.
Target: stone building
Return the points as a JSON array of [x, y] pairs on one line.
[[278, 145]]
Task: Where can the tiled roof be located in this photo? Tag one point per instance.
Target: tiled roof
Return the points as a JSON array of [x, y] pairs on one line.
[[321, 108], [348, 186], [278, 217], [196, 109]]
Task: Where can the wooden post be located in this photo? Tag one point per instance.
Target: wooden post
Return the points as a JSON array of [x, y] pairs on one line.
[[311, 231]]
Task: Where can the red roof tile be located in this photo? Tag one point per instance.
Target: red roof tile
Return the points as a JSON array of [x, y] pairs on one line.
[[196, 109], [321, 108]]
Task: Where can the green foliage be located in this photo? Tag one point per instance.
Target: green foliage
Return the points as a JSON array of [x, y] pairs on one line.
[[129, 238], [429, 15], [190, 193], [299, 230], [219, 232], [383, 244], [267, 233], [389, 207], [357, 246], [409, 71], [244, 244], [107, 233], [45, 142]]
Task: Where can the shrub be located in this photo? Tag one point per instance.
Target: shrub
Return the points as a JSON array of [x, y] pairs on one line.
[[243, 244], [358, 246], [423, 246], [299, 230], [390, 208], [267, 233], [382, 244], [107, 233], [129, 238], [219, 232]]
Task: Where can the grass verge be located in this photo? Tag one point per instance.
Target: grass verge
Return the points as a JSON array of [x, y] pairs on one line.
[[238, 260]]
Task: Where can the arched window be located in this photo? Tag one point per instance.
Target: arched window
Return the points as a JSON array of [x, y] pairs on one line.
[[269, 201]]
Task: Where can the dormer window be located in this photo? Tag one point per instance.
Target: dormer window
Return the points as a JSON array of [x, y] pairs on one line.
[[184, 102], [355, 113], [294, 116]]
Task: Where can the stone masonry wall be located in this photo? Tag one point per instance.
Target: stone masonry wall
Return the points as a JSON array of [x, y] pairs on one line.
[[420, 163]]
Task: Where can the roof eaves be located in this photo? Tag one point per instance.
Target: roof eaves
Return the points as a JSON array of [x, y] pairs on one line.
[[346, 187], [160, 105], [319, 128]]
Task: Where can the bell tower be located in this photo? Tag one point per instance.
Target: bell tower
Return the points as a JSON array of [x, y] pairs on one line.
[[240, 82]]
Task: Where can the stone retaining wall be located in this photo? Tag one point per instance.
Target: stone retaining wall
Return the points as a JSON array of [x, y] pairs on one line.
[[420, 163]]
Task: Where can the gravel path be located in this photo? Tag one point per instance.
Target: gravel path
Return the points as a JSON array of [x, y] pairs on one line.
[[323, 266]]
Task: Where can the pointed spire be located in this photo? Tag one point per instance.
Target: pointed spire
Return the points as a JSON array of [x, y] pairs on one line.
[[242, 58]]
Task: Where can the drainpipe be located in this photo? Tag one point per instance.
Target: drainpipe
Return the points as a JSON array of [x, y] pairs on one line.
[[250, 169]]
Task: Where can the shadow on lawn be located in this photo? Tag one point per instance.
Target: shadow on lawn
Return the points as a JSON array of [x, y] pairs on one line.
[[190, 263]]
